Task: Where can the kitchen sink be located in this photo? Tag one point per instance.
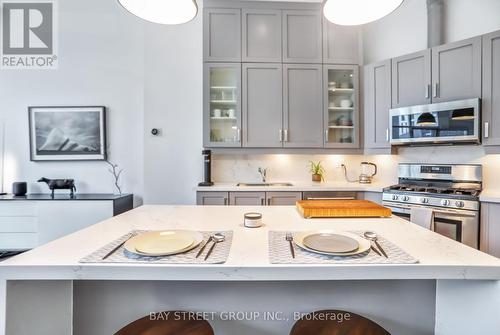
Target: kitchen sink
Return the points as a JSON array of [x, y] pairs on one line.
[[265, 184]]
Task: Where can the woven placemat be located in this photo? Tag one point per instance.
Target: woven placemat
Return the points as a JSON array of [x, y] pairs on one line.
[[218, 256], [279, 253]]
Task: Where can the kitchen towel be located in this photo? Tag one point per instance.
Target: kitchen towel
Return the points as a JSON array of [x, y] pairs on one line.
[[218, 256], [422, 216], [279, 253]]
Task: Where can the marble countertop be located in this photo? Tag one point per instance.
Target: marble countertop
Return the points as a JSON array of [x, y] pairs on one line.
[[490, 196], [297, 187], [440, 257]]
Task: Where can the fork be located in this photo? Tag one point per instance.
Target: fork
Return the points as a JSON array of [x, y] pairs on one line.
[[289, 238]]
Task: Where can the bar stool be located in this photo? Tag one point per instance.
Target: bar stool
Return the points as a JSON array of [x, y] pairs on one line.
[[169, 323], [336, 322]]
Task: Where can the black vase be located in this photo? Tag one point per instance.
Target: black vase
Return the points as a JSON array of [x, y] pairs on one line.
[[19, 188]]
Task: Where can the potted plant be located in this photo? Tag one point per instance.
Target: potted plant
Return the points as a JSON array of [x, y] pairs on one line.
[[318, 172]]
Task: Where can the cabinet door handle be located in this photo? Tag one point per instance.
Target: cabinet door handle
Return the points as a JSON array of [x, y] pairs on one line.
[[262, 203], [269, 201], [326, 136], [286, 135], [387, 135], [225, 201], [486, 129], [281, 135], [427, 91], [238, 135], [436, 90]]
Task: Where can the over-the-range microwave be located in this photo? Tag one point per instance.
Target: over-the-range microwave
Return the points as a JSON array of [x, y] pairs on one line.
[[451, 122]]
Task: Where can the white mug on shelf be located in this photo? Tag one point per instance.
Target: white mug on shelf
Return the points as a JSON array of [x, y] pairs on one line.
[[217, 113], [345, 103], [232, 113]]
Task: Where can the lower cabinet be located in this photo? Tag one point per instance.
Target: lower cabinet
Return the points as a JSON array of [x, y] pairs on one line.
[[282, 198], [212, 198], [247, 198], [489, 241]]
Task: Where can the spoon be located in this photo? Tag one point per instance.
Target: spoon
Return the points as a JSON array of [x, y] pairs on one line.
[[371, 236], [204, 245], [216, 238]]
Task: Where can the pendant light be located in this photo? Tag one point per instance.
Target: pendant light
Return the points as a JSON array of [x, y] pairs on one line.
[[426, 119], [356, 12], [162, 11]]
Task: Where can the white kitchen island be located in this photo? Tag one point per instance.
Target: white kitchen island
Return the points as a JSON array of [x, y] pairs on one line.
[[452, 290]]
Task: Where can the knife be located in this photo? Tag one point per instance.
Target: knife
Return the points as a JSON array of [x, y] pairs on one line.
[[117, 247], [380, 248]]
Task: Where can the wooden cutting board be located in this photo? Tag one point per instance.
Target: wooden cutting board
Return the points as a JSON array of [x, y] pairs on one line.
[[341, 209]]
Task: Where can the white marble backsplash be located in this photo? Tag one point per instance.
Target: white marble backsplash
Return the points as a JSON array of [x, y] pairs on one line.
[[295, 168]]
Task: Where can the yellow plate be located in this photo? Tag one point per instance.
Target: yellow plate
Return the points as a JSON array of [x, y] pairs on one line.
[[163, 243]]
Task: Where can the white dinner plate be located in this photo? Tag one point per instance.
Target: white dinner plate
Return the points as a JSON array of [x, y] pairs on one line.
[[163, 243], [364, 245], [331, 243]]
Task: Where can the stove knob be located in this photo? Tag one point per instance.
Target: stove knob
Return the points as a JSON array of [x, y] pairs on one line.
[[459, 204], [445, 202], [395, 197], [406, 198], [424, 200]]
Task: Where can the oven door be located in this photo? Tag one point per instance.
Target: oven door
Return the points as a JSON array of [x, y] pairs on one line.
[[459, 225]]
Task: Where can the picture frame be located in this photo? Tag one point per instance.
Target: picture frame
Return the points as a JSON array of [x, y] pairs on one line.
[[67, 133]]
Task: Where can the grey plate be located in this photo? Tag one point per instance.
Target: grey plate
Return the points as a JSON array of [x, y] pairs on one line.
[[334, 243]]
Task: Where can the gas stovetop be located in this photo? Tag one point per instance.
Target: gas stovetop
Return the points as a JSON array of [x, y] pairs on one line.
[[445, 186]]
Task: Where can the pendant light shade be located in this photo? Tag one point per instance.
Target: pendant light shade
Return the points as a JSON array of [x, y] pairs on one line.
[[162, 11], [356, 12], [426, 119]]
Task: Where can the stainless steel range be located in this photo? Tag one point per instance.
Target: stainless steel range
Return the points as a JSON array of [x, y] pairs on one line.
[[452, 191]]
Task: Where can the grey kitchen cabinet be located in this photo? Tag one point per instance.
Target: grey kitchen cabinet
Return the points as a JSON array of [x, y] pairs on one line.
[[375, 197], [222, 105], [262, 105], [302, 36], [456, 70], [247, 198], [212, 198], [491, 89], [341, 44], [341, 106], [222, 35], [377, 92], [489, 240], [261, 35], [411, 79], [303, 106], [282, 198]]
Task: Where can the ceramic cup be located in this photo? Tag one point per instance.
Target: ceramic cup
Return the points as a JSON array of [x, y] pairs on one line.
[[217, 113], [231, 113], [345, 103]]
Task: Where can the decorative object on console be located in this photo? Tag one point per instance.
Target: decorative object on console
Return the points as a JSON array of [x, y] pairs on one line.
[[19, 189], [59, 184], [318, 171], [116, 171], [67, 133]]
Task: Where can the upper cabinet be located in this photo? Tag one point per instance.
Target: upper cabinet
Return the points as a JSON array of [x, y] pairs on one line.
[[261, 35], [302, 36], [341, 106], [262, 105], [222, 35], [491, 89], [222, 100], [377, 93], [456, 70], [341, 44], [411, 79], [303, 106]]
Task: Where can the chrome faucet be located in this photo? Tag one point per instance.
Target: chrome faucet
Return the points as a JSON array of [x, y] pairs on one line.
[[263, 174]]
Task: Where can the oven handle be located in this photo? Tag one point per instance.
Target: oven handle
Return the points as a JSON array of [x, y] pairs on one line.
[[447, 212]]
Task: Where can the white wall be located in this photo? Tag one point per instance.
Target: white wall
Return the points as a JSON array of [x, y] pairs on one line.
[[173, 102], [100, 63]]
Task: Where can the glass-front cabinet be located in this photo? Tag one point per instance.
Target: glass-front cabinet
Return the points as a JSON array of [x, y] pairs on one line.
[[341, 105], [222, 110]]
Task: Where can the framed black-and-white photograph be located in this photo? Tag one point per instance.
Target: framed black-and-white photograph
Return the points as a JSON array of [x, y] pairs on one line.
[[67, 133]]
